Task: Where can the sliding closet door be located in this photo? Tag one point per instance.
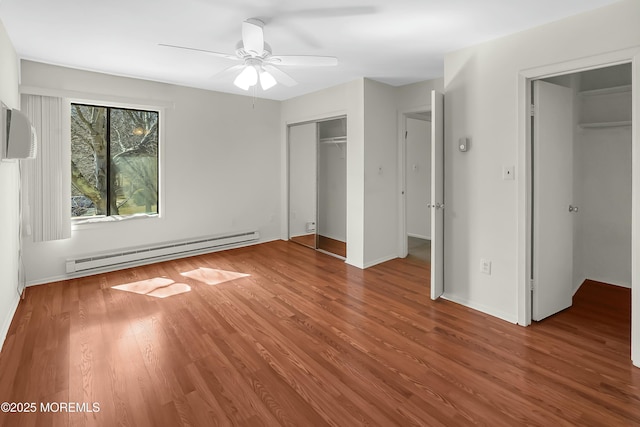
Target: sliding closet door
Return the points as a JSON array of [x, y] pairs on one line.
[[303, 183]]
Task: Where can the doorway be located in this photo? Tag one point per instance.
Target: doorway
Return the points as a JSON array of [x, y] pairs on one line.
[[417, 184], [524, 179], [434, 114], [317, 185], [581, 184]]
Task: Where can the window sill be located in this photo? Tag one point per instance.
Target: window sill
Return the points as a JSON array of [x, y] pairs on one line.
[[82, 222]]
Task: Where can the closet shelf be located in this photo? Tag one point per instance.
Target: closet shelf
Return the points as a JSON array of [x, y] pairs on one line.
[[605, 124], [607, 90], [335, 140]]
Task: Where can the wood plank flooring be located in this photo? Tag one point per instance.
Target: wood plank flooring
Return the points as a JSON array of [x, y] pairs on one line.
[[332, 245], [306, 240], [306, 340], [323, 242]]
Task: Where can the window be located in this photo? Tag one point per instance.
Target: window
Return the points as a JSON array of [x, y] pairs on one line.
[[114, 161]]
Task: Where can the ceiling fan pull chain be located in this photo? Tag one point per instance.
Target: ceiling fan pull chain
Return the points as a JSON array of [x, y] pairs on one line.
[[255, 90]]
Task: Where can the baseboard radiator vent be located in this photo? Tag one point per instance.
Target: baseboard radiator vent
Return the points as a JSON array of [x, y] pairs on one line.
[[159, 252]]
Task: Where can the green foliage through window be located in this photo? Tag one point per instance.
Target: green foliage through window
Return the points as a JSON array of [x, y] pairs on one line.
[[114, 161]]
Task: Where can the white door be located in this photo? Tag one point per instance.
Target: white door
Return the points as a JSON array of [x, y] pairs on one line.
[[552, 199], [437, 194]]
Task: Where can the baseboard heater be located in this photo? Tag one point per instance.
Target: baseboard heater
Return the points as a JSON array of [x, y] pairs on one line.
[[160, 251]]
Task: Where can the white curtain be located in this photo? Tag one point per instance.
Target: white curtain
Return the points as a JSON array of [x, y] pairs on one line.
[[46, 180]]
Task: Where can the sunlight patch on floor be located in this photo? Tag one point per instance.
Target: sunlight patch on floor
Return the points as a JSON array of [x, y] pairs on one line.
[[159, 287], [212, 276]]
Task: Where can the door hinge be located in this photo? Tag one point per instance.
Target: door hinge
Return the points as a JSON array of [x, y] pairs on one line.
[[532, 110]]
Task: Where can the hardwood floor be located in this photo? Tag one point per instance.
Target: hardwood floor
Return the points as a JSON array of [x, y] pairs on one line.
[[306, 340], [306, 240], [324, 243], [332, 245]]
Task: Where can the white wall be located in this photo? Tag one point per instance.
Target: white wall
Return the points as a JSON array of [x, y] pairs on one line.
[[381, 172], [380, 239], [332, 191], [603, 172], [417, 96], [418, 177], [332, 181], [302, 172], [220, 166], [346, 99], [482, 210], [9, 246]]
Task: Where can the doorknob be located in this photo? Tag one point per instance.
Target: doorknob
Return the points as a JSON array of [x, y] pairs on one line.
[[439, 206], [573, 209]]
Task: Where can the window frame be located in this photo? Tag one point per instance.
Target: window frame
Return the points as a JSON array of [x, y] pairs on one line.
[[92, 221]]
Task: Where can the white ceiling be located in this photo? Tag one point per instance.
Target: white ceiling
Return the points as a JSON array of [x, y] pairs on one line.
[[393, 41]]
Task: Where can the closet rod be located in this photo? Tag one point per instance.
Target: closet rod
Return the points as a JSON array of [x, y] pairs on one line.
[[335, 140]]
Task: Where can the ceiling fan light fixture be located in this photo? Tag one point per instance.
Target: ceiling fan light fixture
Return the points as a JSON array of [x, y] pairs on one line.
[[267, 81], [258, 64], [247, 78]]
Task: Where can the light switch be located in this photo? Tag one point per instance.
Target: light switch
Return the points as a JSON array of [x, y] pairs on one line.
[[485, 266]]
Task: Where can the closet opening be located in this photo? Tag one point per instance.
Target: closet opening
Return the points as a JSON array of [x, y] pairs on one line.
[[417, 185], [317, 153], [581, 195]]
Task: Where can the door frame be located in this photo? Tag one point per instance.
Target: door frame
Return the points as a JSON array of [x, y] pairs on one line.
[[316, 120], [403, 249], [524, 177]]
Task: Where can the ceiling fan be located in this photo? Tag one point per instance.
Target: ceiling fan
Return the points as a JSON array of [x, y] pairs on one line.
[[258, 62]]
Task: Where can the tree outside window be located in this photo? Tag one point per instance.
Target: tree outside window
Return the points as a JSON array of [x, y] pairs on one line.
[[114, 161]]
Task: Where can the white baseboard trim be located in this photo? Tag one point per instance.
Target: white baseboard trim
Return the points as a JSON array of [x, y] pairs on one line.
[[507, 317], [62, 277], [601, 280], [380, 260], [354, 264], [6, 324], [622, 284]]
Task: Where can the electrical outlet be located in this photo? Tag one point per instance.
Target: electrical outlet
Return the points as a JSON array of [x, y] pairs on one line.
[[311, 227], [485, 266]]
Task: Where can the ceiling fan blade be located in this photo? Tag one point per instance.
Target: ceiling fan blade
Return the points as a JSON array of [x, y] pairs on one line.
[[280, 75], [253, 36], [210, 52], [332, 12], [304, 61], [229, 71]]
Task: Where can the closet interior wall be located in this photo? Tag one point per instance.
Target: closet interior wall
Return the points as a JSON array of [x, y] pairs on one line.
[[332, 186], [602, 174]]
